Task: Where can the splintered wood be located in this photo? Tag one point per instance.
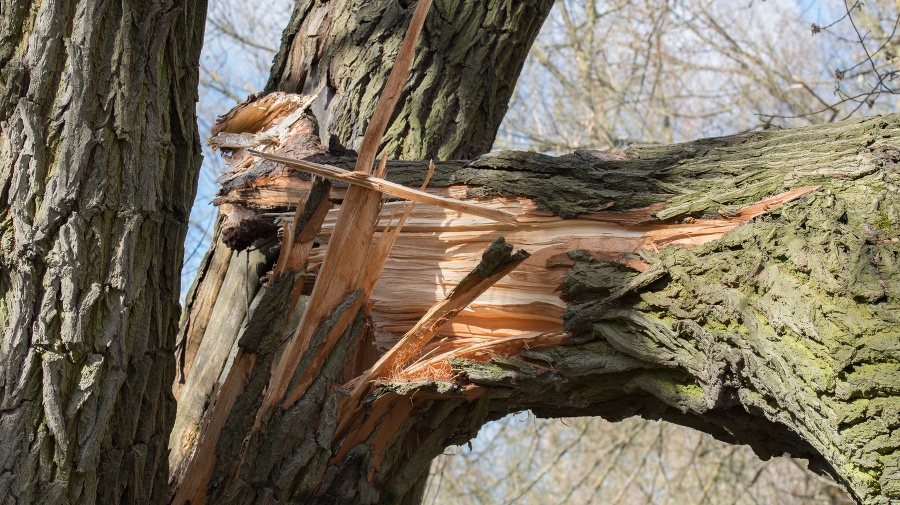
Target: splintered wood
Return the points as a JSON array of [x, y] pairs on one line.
[[354, 261], [418, 294], [439, 245]]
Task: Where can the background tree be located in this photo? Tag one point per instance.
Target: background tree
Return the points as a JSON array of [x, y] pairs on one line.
[[100, 157]]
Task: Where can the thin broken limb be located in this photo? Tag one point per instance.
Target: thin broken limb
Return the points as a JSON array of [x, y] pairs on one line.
[[390, 188]]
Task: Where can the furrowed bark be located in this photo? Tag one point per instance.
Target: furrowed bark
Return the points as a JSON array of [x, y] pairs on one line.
[[467, 62], [100, 158]]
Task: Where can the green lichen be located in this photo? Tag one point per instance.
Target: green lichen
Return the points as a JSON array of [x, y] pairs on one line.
[[792, 314]]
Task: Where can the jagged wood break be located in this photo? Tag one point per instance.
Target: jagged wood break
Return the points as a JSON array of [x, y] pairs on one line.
[[747, 286]]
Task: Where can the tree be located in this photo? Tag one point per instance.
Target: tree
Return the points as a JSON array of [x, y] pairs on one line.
[[681, 338], [100, 160]]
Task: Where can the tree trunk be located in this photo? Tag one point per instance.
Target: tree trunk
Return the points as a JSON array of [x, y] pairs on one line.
[[745, 286], [100, 158], [467, 62]]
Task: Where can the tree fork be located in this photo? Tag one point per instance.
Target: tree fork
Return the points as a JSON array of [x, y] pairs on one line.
[[658, 331], [689, 296]]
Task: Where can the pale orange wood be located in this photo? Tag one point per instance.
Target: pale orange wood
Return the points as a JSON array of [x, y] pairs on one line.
[[435, 365], [473, 286], [339, 275], [496, 262], [377, 254]]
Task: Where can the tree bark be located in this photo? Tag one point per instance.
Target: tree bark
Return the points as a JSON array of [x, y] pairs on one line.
[[467, 63], [100, 158], [745, 286]]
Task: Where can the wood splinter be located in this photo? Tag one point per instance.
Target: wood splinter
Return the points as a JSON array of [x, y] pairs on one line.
[[496, 262], [389, 188]]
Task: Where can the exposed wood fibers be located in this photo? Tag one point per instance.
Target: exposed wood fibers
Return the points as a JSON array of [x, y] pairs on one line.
[[496, 263], [344, 269], [432, 248], [470, 288]]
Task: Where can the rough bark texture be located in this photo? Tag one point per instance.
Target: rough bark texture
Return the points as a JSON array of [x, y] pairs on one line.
[[99, 157], [781, 334], [467, 62]]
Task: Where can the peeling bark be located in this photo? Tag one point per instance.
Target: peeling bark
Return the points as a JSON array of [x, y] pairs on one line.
[[100, 158]]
